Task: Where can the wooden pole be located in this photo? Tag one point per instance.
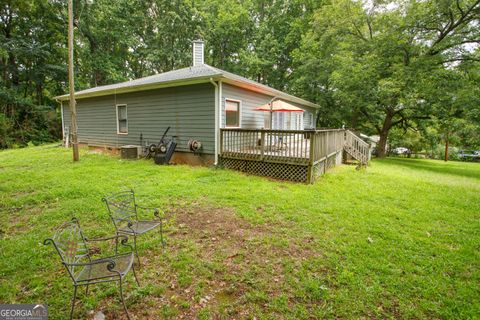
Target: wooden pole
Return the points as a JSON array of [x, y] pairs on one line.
[[262, 146], [446, 146], [310, 173], [73, 109], [271, 115]]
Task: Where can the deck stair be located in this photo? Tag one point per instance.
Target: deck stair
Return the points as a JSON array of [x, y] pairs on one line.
[[357, 148]]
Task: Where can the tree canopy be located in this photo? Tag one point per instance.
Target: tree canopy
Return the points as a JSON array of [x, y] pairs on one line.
[[375, 66]]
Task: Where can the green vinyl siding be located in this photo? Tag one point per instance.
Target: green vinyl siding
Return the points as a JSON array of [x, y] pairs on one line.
[[188, 110]]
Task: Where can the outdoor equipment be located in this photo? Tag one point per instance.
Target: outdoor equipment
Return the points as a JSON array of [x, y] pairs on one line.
[[163, 151], [123, 211], [194, 145], [130, 152], [72, 248]]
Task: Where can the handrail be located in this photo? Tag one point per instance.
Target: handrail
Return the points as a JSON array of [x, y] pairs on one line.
[[360, 140], [278, 130], [356, 147]]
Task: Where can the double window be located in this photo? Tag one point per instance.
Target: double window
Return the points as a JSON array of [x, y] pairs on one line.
[[232, 113], [122, 122]]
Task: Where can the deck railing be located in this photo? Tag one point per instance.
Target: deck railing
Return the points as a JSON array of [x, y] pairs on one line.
[[313, 150], [286, 146], [326, 143], [357, 148]]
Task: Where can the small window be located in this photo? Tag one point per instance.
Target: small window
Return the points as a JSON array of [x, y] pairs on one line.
[[122, 122], [232, 113]]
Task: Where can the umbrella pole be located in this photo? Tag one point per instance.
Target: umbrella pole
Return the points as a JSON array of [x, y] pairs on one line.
[[271, 114], [271, 123]]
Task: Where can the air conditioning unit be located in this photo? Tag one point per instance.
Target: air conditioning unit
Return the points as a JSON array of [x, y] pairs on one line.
[[130, 152]]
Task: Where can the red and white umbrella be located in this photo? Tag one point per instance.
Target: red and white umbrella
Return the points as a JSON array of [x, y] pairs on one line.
[[279, 106]]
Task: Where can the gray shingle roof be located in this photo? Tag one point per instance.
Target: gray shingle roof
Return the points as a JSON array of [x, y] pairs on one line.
[[178, 77]]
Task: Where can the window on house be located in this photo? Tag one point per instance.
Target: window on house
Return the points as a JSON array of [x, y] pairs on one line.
[[122, 122], [294, 120], [267, 120], [232, 113], [278, 120]]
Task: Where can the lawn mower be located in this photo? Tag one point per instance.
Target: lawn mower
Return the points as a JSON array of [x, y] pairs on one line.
[[163, 151]]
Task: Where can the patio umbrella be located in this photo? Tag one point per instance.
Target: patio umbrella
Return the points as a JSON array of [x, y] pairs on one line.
[[278, 106]]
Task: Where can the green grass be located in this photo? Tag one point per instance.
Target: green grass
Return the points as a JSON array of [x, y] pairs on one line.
[[399, 240]]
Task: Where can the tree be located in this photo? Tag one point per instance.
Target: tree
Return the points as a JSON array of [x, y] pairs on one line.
[[456, 100], [30, 70], [379, 58]]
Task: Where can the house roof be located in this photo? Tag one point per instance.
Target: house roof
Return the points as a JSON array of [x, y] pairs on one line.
[[191, 75]]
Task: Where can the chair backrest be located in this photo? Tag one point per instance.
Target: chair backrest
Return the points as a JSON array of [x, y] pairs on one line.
[[121, 208], [70, 244]]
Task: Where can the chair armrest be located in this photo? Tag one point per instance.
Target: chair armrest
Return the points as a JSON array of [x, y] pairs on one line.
[[123, 240], [105, 239], [156, 212], [110, 265]]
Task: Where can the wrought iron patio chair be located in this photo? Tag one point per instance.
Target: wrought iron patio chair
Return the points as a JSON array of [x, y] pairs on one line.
[[123, 211], [71, 245]]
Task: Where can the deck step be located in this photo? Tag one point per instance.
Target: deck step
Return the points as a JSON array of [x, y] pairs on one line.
[[357, 148]]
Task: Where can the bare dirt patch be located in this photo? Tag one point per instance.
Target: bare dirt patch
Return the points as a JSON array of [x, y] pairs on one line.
[[219, 266]]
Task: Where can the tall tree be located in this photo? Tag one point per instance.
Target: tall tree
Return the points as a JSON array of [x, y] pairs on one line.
[[30, 70], [378, 58]]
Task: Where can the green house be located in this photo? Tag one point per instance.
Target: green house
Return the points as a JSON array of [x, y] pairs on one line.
[[195, 102]]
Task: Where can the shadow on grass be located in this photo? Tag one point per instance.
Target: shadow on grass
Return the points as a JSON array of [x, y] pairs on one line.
[[469, 170]]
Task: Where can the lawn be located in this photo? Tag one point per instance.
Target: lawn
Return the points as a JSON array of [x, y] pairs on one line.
[[398, 240]]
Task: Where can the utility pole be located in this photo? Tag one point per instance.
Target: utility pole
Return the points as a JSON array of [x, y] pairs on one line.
[[447, 137], [73, 108]]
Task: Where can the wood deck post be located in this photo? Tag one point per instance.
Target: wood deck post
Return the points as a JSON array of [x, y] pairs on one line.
[[262, 144], [310, 177], [222, 133], [327, 153]]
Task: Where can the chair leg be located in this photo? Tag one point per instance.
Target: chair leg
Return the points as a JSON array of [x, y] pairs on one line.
[[73, 302], [136, 250], [123, 300], [116, 244], [161, 234], [135, 274]]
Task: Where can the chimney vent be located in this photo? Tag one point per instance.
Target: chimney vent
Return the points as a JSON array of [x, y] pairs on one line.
[[198, 52]]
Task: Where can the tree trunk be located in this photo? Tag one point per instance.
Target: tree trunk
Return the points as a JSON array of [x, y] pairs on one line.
[[446, 147], [382, 144]]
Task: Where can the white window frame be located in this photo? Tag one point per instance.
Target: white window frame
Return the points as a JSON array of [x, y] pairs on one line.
[[239, 112], [118, 121]]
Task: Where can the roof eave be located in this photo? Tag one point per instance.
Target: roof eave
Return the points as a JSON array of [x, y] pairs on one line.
[[269, 91], [243, 84], [141, 87]]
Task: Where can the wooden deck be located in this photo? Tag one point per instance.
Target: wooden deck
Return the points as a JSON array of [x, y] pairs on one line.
[[285, 154]]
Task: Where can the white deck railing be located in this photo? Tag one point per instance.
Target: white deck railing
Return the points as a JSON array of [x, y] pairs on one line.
[[357, 148], [286, 146], [313, 150]]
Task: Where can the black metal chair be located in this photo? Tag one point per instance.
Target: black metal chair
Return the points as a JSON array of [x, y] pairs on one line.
[[72, 248], [123, 211]]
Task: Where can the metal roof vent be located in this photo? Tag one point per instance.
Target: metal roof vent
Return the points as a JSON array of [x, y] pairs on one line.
[[198, 48]]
